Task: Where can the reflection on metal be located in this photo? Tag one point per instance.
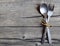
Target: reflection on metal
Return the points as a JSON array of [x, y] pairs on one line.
[[46, 11]]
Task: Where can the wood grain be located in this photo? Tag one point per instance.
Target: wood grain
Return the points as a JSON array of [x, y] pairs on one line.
[[20, 18]]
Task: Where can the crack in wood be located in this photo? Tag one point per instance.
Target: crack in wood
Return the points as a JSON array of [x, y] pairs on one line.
[[41, 16], [25, 26]]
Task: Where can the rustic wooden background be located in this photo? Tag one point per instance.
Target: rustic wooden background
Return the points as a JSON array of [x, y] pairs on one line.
[[20, 18]]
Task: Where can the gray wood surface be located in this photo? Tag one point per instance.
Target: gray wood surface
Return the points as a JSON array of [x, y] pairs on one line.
[[20, 18]]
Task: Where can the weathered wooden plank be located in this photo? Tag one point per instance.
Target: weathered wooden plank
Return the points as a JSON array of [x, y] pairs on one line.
[[29, 32], [17, 21], [22, 8], [7, 32]]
